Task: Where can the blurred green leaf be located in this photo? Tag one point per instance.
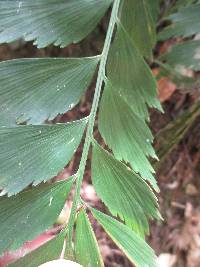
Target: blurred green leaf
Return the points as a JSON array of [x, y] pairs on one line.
[[127, 135], [86, 246], [32, 154], [30, 213], [185, 22], [134, 247], [57, 22], [185, 83], [186, 54], [49, 251], [34, 90]]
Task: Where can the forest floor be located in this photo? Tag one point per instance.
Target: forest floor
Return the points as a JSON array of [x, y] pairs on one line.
[[176, 239]]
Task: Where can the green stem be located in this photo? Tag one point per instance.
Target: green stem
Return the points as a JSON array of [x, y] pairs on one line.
[[89, 133]]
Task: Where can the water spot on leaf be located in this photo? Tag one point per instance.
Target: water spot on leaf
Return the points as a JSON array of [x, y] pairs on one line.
[[71, 105], [50, 201], [72, 140], [19, 6]]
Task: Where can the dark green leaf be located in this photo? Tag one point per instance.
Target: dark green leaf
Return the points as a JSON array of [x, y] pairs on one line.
[[136, 17], [87, 250], [39, 89], [186, 55], [132, 245], [58, 22], [185, 22], [124, 192], [127, 135], [49, 251], [131, 76], [30, 213], [32, 154]]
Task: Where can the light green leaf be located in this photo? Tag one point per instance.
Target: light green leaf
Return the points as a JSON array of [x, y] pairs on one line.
[[124, 192], [131, 76], [136, 17], [34, 90], [32, 154], [185, 22], [186, 55], [49, 251], [127, 135], [57, 22], [30, 213], [132, 245], [86, 246]]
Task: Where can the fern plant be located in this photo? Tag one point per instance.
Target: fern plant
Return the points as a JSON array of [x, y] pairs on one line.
[[35, 90], [32, 151]]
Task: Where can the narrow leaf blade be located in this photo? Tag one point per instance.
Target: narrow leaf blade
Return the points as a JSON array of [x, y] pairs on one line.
[[86, 247]]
